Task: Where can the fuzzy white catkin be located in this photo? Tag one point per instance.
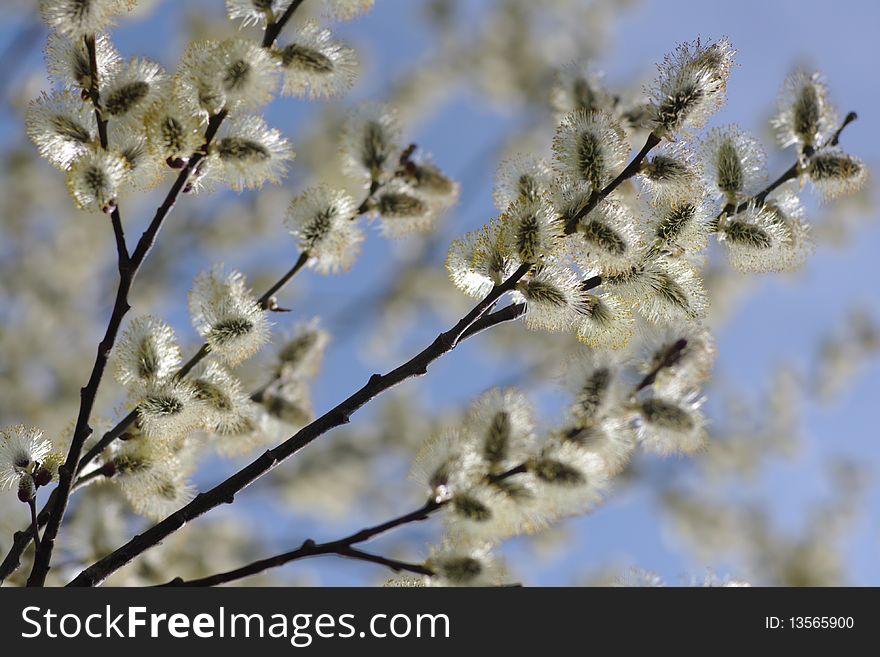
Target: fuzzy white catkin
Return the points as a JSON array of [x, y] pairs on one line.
[[579, 87], [554, 298], [691, 85], [314, 65], [786, 210], [756, 240], [570, 478], [172, 131], [430, 182], [607, 323], [370, 141], [80, 18], [734, 164], [324, 222], [234, 74], [522, 176], [61, 126], [480, 260], [167, 409], [68, 64], [670, 424], [153, 476], [346, 10], [531, 229], [671, 174], [680, 354], [225, 313], [463, 566], [300, 355], [143, 167], [835, 173], [20, 448], [255, 12], [590, 147], [148, 351], [805, 116], [661, 289], [402, 210], [224, 403], [248, 153], [499, 426], [607, 240], [95, 178], [680, 225], [133, 89]]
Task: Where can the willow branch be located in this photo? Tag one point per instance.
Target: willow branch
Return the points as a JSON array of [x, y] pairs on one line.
[[266, 298], [269, 37], [97, 473], [225, 492], [264, 302], [83, 430], [53, 511], [791, 173], [344, 546], [94, 94], [307, 550], [123, 425], [35, 529]]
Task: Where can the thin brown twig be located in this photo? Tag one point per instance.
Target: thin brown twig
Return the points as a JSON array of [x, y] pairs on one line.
[[35, 528], [343, 547], [97, 473], [274, 28], [266, 298], [95, 98], [82, 430]]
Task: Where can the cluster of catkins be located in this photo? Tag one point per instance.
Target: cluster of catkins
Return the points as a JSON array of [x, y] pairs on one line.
[[497, 477], [156, 121], [608, 262], [180, 413], [113, 124], [601, 252]]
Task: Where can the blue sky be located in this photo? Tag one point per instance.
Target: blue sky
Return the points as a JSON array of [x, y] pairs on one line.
[[781, 321]]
